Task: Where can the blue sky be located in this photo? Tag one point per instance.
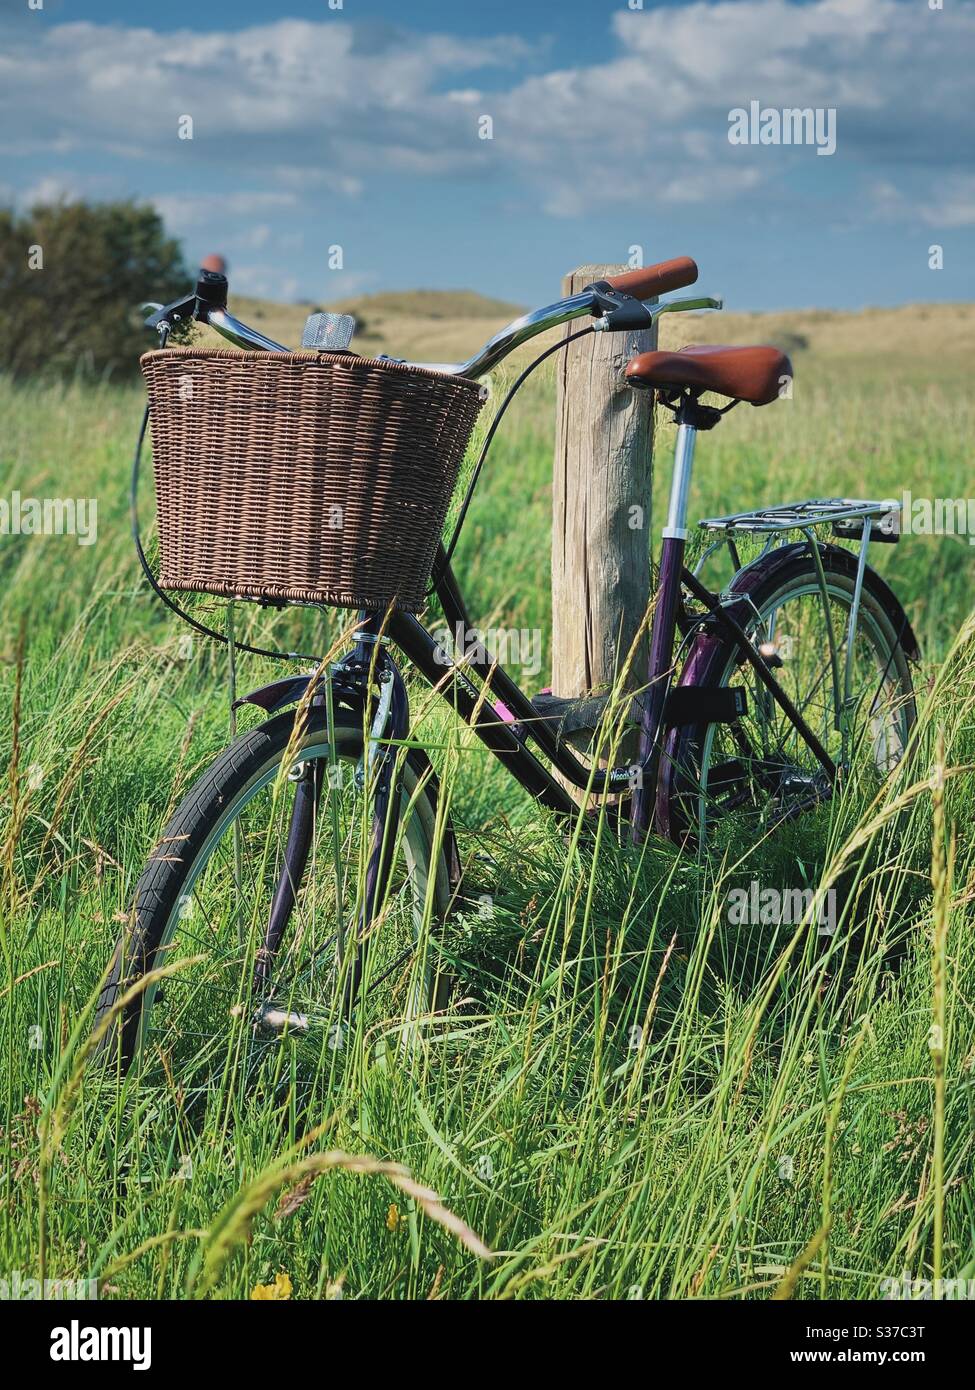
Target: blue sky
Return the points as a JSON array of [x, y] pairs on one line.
[[358, 127]]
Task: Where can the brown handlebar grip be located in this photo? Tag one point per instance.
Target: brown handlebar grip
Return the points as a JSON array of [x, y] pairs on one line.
[[656, 279]]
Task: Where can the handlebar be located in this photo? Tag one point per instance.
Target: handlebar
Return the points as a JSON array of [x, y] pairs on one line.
[[615, 303], [651, 280], [614, 312]]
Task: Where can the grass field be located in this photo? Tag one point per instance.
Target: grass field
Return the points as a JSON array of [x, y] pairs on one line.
[[635, 1099]]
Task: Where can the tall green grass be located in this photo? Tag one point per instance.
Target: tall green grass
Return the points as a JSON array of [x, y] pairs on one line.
[[631, 1097]]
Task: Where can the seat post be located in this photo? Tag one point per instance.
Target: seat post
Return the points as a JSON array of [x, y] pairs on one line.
[[680, 483], [664, 622]]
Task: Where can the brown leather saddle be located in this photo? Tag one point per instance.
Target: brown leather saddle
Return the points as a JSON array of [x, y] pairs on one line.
[[753, 374]]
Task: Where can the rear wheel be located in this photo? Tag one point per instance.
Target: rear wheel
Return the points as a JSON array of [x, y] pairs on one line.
[[758, 770], [204, 899]]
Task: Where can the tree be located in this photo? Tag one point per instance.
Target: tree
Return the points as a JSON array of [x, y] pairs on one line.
[[72, 278]]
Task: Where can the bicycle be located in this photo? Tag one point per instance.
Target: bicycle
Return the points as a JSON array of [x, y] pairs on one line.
[[307, 889]]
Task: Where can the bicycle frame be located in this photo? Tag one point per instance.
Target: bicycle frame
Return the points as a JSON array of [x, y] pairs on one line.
[[502, 715], [504, 719], [506, 736], [497, 710]]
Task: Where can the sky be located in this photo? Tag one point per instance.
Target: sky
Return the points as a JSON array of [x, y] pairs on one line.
[[338, 147]]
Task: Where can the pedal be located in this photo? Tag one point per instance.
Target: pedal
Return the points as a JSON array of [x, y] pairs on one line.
[[577, 719]]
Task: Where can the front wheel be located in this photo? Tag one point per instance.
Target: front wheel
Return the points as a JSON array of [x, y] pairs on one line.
[[757, 771], [203, 902]]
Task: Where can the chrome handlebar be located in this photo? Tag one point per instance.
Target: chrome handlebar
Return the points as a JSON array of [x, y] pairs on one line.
[[493, 351], [518, 332], [239, 334]]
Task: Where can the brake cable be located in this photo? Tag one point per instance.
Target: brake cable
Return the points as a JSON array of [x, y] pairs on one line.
[[161, 594], [441, 570]]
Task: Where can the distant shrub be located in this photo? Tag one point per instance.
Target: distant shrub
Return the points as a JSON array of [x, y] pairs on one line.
[[790, 341], [72, 278]]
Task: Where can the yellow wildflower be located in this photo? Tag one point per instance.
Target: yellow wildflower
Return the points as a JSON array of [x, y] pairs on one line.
[[279, 1290]]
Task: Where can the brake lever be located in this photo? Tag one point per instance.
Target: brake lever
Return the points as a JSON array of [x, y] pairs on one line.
[[619, 318], [173, 313], [685, 306], [210, 293], [616, 311]]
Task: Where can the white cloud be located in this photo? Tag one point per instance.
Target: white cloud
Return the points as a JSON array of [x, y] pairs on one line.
[[315, 90], [949, 204], [51, 188], [296, 105], [953, 204], [655, 117], [261, 283], [305, 179], [268, 282], [202, 209], [66, 184]]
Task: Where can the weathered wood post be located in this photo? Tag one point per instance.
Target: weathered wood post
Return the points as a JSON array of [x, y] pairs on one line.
[[600, 505]]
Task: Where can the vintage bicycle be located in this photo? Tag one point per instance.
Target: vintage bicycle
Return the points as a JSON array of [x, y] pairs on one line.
[[312, 865]]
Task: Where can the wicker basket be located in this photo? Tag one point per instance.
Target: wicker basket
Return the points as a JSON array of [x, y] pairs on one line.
[[316, 477]]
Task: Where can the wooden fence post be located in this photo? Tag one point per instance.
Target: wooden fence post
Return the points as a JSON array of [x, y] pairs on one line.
[[600, 505]]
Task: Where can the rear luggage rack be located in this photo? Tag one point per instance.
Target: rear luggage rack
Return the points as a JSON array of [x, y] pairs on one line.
[[845, 515]]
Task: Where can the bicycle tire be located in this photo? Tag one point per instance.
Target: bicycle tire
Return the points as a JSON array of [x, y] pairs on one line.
[[205, 815], [713, 661]]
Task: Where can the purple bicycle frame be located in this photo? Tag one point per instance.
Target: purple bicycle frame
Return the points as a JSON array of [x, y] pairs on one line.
[[508, 720]]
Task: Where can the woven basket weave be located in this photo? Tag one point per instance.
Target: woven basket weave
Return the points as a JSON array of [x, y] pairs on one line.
[[317, 477]]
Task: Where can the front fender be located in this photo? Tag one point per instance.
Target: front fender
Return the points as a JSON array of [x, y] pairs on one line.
[[291, 689], [270, 698]]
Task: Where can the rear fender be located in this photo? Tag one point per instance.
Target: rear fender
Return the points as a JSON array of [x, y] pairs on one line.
[[836, 560]]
